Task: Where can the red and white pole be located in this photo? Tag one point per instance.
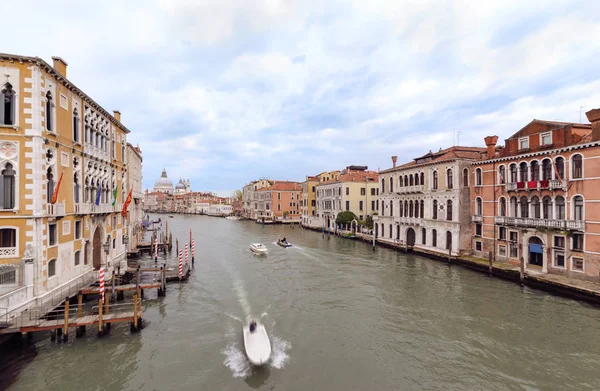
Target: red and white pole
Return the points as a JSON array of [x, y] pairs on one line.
[[187, 259], [193, 252], [156, 249], [102, 284], [180, 265]]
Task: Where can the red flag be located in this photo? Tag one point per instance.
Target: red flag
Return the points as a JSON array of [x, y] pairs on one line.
[[55, 194], [126, 204]]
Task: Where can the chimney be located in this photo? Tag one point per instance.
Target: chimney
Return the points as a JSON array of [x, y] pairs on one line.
[[490, 142], [60, 66], [117, 115], [394, 158], [594, 117]]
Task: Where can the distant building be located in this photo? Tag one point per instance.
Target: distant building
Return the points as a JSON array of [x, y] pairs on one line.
[[249, 203], [163, 184], [309, 197], [136, 208], [279, 202]]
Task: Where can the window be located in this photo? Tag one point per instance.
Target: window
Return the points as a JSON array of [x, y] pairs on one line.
[[535, 170], [502, 175], [546, 208], [313, 189], [391, 185], [449, 210], [478, 206], [49, 106], [52, 239], [502, 203], [577, 264], [8, 243], [434, 238], [559, 242], [578, 208], [524, 202], [400, 181], [114, 221], [416, 179], [478, 177], [123, 152], [524, 143], [466, 177], [49, 184], [502, 250], [577, 242], [363, 191], [423, 236], [535, 207], [546, 169], [546, 138], [382, 185], [373, 191], [348, 190], [76, 188], [560, 168], [513, 173], [422, 209], [560, 208], [77, 258], [478, 229], [52, 268], [514, 246], [401, 211], [78, 229], [360, 205], [75, 126], [391, 208], [7, 105], [417, 209], [478, 246], [391, 231], [373, 205], [435, 210], [422, 181], [523, 172], [410, 209], [448, 240], [7, 187], [114, 243], [502, 233], [411, 180], [406, 208], [435, 180], [559, 251], [577, 171], [405, 180], [449, 183]]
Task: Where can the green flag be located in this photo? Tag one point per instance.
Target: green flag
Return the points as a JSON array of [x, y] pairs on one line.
[[115, 195]]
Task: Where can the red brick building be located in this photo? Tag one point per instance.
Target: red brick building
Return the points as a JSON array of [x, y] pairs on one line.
[[535, 198]]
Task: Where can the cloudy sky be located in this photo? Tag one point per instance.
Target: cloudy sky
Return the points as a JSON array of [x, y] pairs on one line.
[[227, 91]]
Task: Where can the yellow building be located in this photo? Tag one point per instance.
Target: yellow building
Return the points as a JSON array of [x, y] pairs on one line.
[[309, 197], [50, 129]]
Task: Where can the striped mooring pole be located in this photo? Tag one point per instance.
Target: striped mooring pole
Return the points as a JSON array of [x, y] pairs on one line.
[[193, 252], [102, 284], [155, 249], [180, 265]]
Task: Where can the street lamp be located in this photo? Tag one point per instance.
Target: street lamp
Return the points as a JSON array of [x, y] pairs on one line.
[[106, 245]]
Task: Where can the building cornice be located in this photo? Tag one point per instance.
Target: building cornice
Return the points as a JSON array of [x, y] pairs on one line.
[[420, 165], [538, 153]]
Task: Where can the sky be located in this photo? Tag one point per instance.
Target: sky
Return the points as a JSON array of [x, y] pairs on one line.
[[227, 91]]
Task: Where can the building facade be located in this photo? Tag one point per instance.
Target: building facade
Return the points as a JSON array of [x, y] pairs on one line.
[[64, 180], [249, 201], [136, 207], [533, 200], [425, 203], [278, 203]]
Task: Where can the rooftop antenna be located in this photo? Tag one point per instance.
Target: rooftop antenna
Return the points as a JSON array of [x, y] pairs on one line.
[[580, 109], [458, 137]]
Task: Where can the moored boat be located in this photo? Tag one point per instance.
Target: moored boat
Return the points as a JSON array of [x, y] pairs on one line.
[[258, 248]]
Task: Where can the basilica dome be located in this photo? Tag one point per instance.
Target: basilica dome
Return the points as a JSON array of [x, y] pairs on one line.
[[163, 184]]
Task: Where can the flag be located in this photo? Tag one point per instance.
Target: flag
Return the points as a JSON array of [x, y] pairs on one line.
[[126, 204], [115, 195], [55, 194], [556, 171], [98, 194]]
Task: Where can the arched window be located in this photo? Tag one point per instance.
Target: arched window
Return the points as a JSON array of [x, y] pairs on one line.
[[560, 168], [400, 181], [466, 177], [410, 208], [7, 187], [382, 185], [76, 188], [401, 209], [416, 207], [49, 184], [535, 170], [577, 167], [523, 172], [411, 180], [448, 240], [535, 207], [501, 175], [405, 180], [382, 230], [449, 179], [391, 207], [75, 126], [513, 173], [578, 208], [391, 184], [514, 207], [435, 180], [405, 208], [478, 206], [449, 210], [560, 208], [434, 237], [435, 210], [478, 177], [423, 236], [524, 206], [49, 106], [422, 209], [422, 181], [502, 206], [52, 268], [416, 179], [7, 105], [391, 231], [546, 207], [546, 169]]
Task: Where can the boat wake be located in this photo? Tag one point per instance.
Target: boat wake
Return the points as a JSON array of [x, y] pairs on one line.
[[237, 362]]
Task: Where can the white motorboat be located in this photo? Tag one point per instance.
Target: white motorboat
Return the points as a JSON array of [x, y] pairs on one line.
[[235, 218], [257, 343], [258, 248]]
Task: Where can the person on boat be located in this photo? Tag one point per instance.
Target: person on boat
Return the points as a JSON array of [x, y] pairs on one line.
[[252, 326], [284, 240]]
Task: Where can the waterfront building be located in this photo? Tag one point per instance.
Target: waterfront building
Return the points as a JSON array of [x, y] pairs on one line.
[[136, 207], [353, 189], [309, 197], [163, 184], [425, 203], [533, 199], [278, 202], [249, 203], [64, 181]]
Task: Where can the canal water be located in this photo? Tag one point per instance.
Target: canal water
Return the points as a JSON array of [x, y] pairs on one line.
[[340, 317]]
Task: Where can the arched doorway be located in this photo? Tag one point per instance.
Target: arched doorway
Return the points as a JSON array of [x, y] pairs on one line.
[[536, 251], [410, 237], [97, 249]]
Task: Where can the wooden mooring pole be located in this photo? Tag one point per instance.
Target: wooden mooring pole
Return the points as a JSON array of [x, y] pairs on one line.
[[100, 306], [490, 267], [66, 327]]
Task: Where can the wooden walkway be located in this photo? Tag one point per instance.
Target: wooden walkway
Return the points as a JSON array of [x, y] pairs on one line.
[[120, 288], [36, 325]]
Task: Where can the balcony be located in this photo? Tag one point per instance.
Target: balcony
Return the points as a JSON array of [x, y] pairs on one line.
[[55, 210], [576, 225], [553, 184], [410, 189], [477, 218]]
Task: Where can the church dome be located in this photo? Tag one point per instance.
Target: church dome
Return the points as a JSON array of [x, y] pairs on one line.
[[180, 185], [163, 184]]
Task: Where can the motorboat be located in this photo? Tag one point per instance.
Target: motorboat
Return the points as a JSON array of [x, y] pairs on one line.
[[284, 243], [235, 218], [257, 343], [171, 216], [258, 248]]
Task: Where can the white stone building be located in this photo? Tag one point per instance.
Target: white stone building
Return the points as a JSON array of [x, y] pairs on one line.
[[136, 208]]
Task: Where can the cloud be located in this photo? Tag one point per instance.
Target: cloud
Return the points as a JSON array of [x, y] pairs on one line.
[[226, 91]]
